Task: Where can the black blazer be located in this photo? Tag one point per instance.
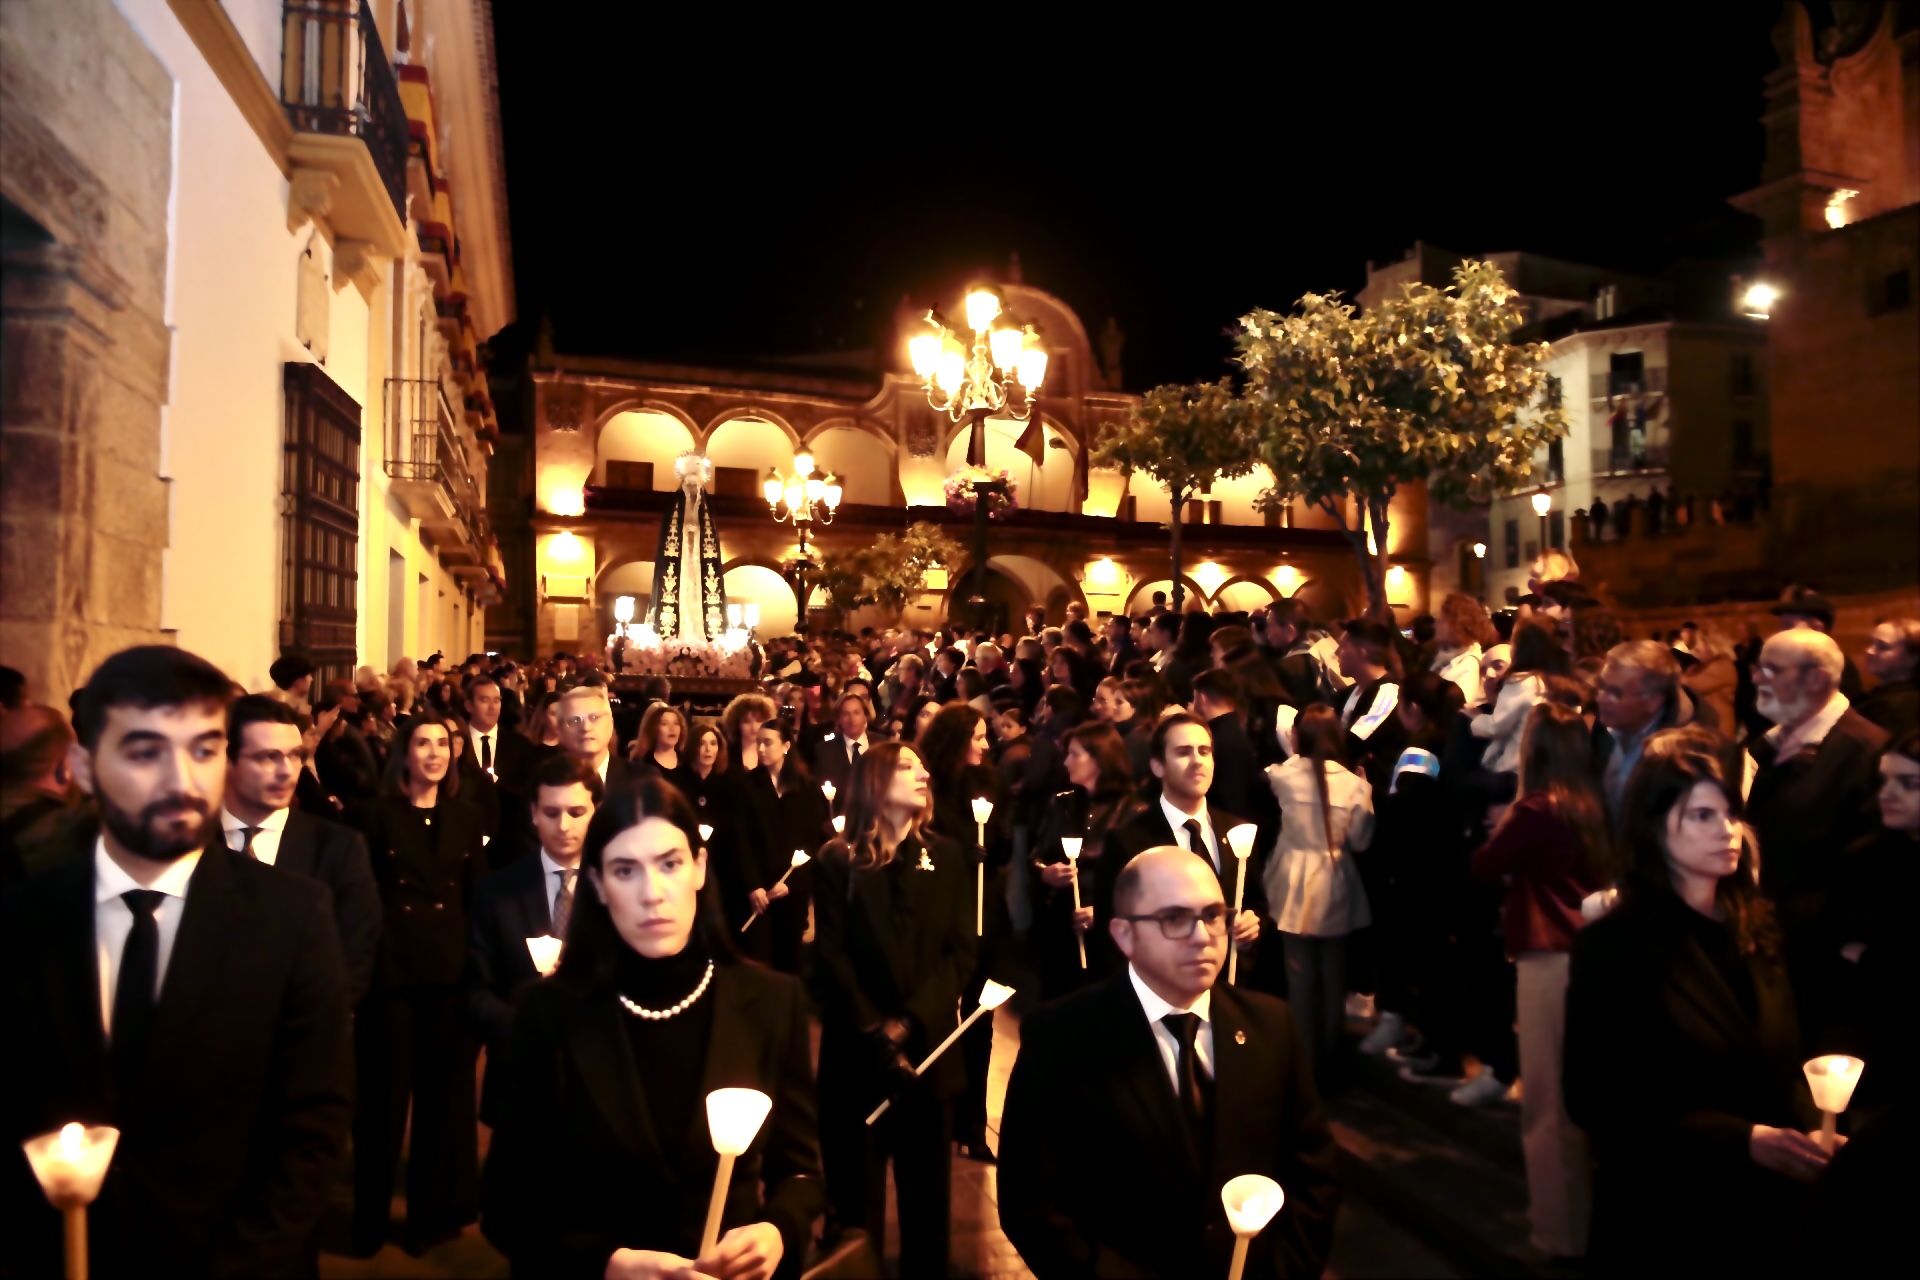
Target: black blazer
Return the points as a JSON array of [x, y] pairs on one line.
[[1668, 1073], [509, 907], [1097, 1175], [1149, 829], [872, 963], [830, 764], [336, 856], [426, 878], [241, 1113], [1807, 810], [576, 1169]]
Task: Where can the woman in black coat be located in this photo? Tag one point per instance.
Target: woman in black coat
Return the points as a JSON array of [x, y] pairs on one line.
[[893, 947], [1683, 1058], [411, 1041], [1100, 799], [800, 821], [602, 1161]]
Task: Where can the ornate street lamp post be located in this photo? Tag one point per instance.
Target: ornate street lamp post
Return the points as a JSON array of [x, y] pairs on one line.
[[803, 499], [999, 375]]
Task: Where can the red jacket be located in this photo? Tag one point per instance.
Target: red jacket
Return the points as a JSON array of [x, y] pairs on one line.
[[1540, 856]]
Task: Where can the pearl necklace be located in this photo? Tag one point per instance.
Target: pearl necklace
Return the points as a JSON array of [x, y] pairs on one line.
[[661, 1015]]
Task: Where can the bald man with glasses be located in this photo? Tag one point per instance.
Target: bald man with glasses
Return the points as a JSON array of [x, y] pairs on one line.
[[1133, 1101]]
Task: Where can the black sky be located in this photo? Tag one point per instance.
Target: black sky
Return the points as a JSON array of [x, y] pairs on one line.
[[683, 195]]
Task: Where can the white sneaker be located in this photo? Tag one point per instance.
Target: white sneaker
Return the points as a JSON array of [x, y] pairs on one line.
[[1359, 1007], [1482, 1089], [1388, 1032]]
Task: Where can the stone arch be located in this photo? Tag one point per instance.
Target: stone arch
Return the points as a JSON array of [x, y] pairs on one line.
[[751, 579], [750, 441], [1052, 485], [641, 404], [650, 435], [1259, 593], [844, 446], [1142, 593], [748, 412]]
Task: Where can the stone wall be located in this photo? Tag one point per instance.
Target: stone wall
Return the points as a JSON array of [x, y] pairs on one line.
[[85, 145]]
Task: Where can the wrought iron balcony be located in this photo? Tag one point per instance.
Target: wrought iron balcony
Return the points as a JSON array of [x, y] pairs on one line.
[[432, 475], [335, 80]]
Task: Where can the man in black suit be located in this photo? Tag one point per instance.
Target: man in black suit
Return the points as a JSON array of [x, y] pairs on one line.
[[1182, 762], [1375, 736], [834, 758], [531, 898], [493, 772], [264, 757], [1133, 1101], [1814, 792], [193, 998]]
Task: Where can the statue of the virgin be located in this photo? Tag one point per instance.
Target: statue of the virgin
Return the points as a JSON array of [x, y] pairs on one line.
[[688, 603]]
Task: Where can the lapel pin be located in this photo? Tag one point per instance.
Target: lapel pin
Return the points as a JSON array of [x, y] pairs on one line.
[[926, 861], [1239, 1037]]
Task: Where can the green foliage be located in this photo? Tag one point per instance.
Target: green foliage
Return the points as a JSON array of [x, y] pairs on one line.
[[1424, 387], [889, 572], [1184, 436]]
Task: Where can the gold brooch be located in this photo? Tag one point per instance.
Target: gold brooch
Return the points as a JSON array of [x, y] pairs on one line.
[[1239, 1037], [925, 863]]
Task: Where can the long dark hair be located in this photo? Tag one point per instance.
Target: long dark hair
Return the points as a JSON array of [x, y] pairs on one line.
[[865, 842], [1556, 761], [1319, 736], [1673, 762], [394, 783], [594, 945], [1109, 751], [1536, 650], [943, 747]]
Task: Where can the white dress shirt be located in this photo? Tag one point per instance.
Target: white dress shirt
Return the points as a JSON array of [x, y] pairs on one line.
[[552, 876], [1178, 820], [113, 918], [1810, 732], [266, 837], [474, 736], [1156, 1009], [848, 744]]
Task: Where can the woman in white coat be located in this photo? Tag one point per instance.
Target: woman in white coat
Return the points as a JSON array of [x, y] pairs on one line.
[[1312, 884]]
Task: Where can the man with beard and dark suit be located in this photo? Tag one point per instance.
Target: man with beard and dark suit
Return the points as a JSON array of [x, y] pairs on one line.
[[1133, 1102], [191, 997], [264, 747], [1182, 763], [531, 898]]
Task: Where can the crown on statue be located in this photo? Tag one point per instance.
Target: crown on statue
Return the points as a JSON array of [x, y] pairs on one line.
[[691, 465]]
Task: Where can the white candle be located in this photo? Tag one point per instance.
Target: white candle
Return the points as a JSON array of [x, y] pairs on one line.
[[982, 810], [1832, 1079], [827, 789], [734, 1116], [992, 996], [1251, 1201], [1070, 845], [1240, 840], [70, 1164], [800, 859], [839, 824], [545, 951]]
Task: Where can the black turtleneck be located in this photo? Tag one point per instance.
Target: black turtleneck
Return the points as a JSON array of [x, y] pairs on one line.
[[670, 1057]]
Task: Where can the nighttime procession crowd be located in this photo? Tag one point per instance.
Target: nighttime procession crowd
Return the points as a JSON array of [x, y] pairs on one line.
[[280, 940]]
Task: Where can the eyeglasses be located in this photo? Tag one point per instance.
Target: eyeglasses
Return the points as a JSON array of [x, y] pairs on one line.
[[1176, 923], [1773, 670], [593, 721]]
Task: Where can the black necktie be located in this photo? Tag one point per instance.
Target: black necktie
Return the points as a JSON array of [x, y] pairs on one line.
[[1193, 1090], [246, 842], [486, 752], [133, 992], [1199, 840], [853, 752]]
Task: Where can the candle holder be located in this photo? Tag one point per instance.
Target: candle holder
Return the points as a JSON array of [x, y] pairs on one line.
[[992, 996], [706, 833], [1832, 1079], [800, 859], [839, 824], [828, 790], [1240, 840], [70, 1164], [734, 1117], [982, 810], [1251, 1201], [1070, 845], [545, 951]]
